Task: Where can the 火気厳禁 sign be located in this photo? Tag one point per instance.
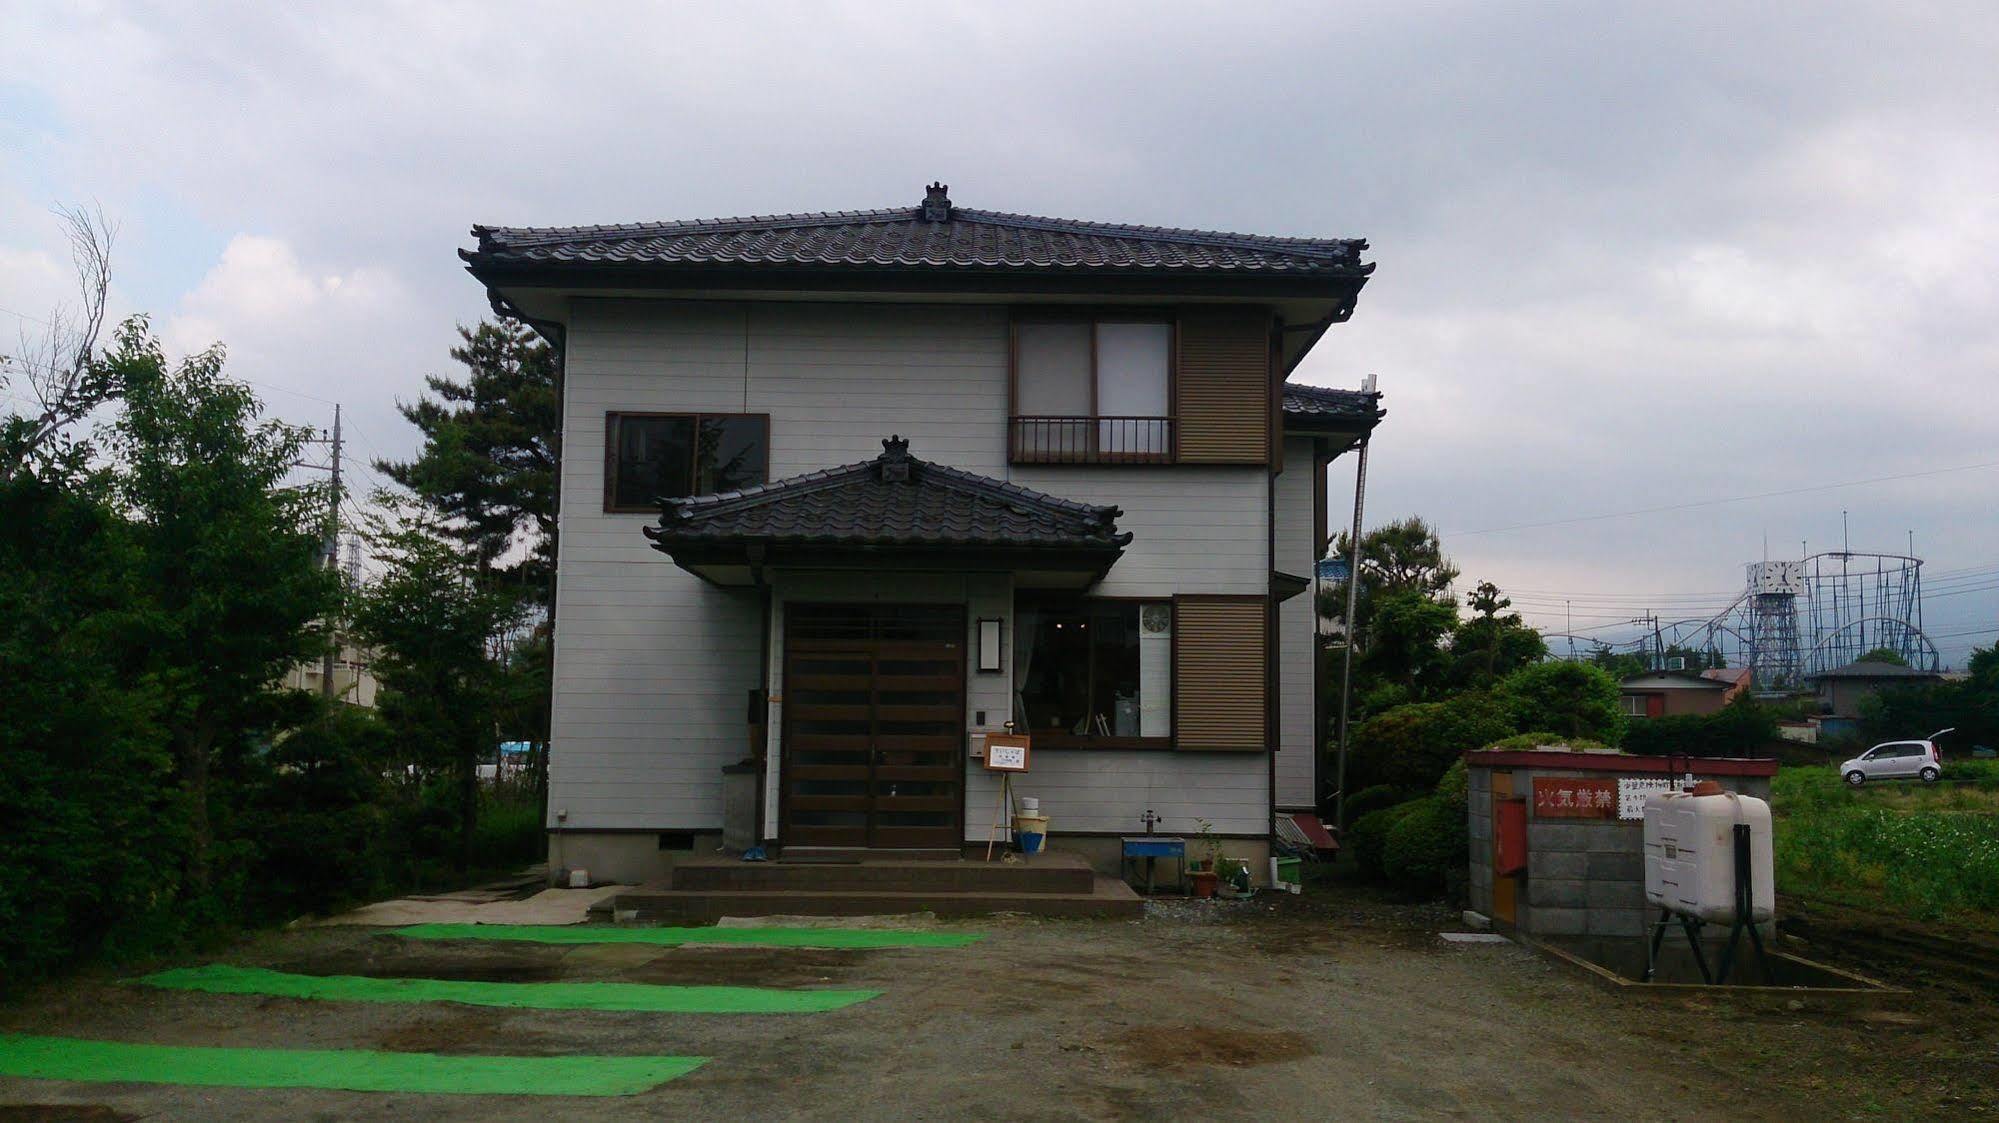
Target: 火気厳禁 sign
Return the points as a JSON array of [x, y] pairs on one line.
[[1572, 798]]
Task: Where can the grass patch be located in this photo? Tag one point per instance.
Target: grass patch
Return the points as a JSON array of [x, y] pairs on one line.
[[222, 979], [1929, 851], [762, 937], [355, 1070]]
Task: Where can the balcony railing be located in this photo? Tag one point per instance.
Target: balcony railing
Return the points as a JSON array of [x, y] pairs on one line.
[[1091, 440]]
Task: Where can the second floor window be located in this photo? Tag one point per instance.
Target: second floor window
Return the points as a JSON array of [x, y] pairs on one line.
[[650, 456], [1092, 390]]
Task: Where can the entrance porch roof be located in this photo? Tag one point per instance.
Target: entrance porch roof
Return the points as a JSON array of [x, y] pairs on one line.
[[893, 512]]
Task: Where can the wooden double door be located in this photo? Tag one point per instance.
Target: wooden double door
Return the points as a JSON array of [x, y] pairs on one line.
[[874, 727]]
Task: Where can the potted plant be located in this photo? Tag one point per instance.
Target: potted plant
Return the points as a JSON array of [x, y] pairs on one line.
[[1232, 877], [1203, 882], [1202, 870]]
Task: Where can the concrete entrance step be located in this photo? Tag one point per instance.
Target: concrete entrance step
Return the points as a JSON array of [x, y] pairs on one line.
[[1054, 872], [1107, 898]]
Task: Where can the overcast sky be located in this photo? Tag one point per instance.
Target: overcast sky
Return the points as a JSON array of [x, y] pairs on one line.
[[1628, 258]]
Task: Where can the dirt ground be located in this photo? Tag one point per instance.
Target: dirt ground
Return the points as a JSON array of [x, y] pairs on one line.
[[1335, 1005]]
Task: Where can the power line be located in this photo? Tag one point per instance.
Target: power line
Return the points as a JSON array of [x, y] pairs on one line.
[[1719, 502]]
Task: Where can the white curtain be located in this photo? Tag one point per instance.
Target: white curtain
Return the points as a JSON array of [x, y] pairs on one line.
[[1132, 364], [1024, 621]]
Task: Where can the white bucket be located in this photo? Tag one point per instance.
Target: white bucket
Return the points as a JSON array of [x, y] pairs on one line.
[[1030, 805]]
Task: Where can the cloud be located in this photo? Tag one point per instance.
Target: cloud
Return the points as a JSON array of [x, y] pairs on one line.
[[1628, 255], [269, 307]]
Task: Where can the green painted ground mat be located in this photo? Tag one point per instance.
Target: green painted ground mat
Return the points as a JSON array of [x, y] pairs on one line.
[[355, 1070], [222, 979], [761, 937]]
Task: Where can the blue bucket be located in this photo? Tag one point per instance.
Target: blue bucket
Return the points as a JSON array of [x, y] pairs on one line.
[[1030, 841]]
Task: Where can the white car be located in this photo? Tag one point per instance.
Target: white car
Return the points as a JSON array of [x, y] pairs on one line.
[[1897, 760]]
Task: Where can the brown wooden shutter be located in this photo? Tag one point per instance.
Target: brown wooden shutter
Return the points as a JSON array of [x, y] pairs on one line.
[[1220, 678], [1222, 391]]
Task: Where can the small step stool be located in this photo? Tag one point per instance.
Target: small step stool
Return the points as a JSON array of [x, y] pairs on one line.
[[1152, 847]]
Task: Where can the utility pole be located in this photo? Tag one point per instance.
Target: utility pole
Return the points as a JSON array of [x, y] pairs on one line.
[[331, 551], [1353, 608]]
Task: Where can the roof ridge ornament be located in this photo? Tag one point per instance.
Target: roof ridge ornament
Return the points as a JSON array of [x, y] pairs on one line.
[[894, 462], [936, 203]]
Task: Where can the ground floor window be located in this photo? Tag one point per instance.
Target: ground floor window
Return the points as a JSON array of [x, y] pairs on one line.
[[1094, 672]]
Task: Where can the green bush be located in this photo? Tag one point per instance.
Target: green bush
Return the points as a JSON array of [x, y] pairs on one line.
[[1368, 839], [1572, 699], [1369, 800], [1426, 845], [1412, 746], [1524, 742], [509, 830], [1741, 728], [322, 815]]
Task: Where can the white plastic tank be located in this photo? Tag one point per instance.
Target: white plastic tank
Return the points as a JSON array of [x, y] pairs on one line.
[[1690, 853]]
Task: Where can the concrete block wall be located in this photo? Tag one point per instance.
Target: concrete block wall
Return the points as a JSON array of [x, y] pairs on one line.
[[1478, 806]]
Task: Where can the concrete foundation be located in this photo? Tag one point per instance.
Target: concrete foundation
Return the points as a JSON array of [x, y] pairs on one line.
[[619, 857], [635, 858]]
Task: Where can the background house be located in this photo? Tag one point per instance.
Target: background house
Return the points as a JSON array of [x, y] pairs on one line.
[[1672, 694], [1842, 689]]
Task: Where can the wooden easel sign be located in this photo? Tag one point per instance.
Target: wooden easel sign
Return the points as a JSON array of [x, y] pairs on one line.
[[1006, 752]]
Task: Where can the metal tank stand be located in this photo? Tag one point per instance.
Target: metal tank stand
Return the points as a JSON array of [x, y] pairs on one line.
[[1745, 912]]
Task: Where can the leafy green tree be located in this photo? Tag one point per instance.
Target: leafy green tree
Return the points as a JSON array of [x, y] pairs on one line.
[[491, 446], [1404, 641], [93, 835], [229, 558], [1886, 655], [1571, 699], [1403, 557], [1493, 643], [1970, 707], [432, 623]]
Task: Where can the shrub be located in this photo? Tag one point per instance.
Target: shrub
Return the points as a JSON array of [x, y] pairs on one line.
[[1572, 699], [1412, 746], [1738, 729], [320, 814], [1369, 837], [1369, 800], [1425, 845], [1523, 742]]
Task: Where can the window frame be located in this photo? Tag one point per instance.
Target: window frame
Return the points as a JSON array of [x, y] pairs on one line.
[[1095, 315], [612, 419], [1046, 740]]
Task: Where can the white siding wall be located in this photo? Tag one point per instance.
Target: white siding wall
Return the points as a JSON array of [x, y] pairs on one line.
[[652, 664], [1296, 553]]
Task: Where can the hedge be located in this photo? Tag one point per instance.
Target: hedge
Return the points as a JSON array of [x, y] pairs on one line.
[[1369, 837]]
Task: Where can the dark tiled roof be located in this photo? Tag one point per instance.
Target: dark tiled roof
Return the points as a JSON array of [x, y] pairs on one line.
[[932, 235], [1334, 405], [892, 500], [1876, 670]]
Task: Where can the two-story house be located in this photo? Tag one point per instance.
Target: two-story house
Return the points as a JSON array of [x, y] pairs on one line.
[[843, 492]]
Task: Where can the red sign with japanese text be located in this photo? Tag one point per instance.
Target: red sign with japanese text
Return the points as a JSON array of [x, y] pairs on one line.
[[1556, 798]]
